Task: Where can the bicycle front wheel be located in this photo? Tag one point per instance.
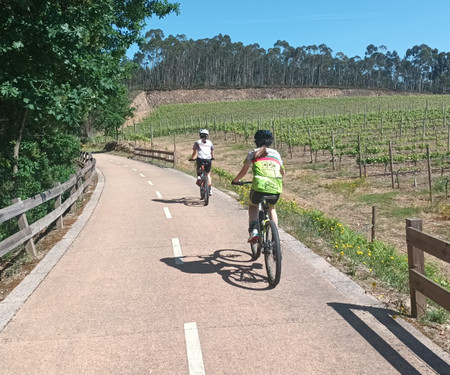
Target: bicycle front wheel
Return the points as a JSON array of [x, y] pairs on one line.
[[272, 253]]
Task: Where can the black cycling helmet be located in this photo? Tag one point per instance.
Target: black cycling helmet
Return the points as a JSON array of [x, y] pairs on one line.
[[263, 138]]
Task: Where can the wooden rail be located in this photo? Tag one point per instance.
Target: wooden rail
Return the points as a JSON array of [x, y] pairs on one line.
[[168, 156], [421, 286], [77, 185]]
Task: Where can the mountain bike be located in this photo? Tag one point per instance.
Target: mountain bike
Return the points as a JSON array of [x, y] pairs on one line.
[[204, 188], [269, 240]]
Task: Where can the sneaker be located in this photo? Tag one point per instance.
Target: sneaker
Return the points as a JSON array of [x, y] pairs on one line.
[[199, 181], [254, 236], [210, 191]]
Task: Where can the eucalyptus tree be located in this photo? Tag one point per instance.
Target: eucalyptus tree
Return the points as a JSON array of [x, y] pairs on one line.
[[421, 58], [325, 65], [175, 62]]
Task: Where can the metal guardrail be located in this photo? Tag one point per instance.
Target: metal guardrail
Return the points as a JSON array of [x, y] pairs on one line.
[[421, 286], [77, 185]]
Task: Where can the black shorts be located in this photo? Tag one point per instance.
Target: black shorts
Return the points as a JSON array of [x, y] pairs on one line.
[[255, 197], [206, 163]]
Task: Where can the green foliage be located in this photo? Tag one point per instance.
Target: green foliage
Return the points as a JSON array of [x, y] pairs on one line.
[[61, 74], [436, 314]]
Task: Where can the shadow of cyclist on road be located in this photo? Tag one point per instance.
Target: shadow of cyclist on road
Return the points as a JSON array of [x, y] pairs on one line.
[[235, 266], [187, 201]]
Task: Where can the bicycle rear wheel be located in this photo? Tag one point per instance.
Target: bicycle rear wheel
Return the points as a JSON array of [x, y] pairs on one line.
[[202, 190], [272, 253], [205, 189]]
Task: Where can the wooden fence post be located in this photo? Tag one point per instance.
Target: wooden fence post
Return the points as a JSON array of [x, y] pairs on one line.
[[58, 202], [332, 151], [23, 223], [79, 185], [72, 192], [391, 162], [416, 262], [373, 223], [360, 155], [174, 151], [429, 174]]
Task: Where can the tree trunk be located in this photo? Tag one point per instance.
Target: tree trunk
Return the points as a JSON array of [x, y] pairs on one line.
[[17, 144]]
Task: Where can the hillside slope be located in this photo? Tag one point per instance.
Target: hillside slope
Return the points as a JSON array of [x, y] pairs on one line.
[[146, 101]]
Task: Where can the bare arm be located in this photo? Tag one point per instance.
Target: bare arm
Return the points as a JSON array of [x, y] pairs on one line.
[[194, 151], [242, 173]]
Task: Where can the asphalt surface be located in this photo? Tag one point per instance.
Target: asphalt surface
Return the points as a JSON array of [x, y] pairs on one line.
[[150, 281]]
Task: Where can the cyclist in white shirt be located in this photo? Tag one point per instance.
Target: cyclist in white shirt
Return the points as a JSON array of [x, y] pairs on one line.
[[203, 150]]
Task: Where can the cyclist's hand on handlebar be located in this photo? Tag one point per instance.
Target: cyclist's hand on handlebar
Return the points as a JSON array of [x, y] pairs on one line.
[[190, 159], [236, 183]]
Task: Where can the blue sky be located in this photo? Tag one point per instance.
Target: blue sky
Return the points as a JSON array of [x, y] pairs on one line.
[[346, 26]]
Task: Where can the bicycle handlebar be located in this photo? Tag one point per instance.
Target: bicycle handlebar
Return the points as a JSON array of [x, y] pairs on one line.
[[241, 182]]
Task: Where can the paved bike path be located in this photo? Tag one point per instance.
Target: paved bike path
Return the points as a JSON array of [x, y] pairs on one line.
[[156, 283]]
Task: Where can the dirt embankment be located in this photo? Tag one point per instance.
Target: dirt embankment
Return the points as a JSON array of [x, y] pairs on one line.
[[145, 102]]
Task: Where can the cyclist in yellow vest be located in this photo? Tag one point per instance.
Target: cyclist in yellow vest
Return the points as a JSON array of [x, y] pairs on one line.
[[268, 171]]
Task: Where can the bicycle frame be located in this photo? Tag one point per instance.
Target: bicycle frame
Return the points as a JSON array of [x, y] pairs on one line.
[[263, 218]]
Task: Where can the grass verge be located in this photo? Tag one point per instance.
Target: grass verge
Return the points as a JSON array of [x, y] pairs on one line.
[[363, 259]]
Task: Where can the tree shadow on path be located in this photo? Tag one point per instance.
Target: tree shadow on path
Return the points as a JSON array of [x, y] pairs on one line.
[[235, 266]]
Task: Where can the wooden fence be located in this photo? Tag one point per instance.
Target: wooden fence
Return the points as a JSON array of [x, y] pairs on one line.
[[167, 156], [77, 184], [421, 286]]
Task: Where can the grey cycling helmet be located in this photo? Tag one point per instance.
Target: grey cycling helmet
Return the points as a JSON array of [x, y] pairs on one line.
[[204, 133], [263, 138]]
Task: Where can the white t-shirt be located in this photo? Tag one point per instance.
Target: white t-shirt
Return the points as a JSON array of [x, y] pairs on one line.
[[204, 148]]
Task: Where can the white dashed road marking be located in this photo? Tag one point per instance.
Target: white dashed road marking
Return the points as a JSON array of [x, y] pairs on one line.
[[167, 212], [194, 350], [140, 174], [149, 182], [158, 194], [177, 251]]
